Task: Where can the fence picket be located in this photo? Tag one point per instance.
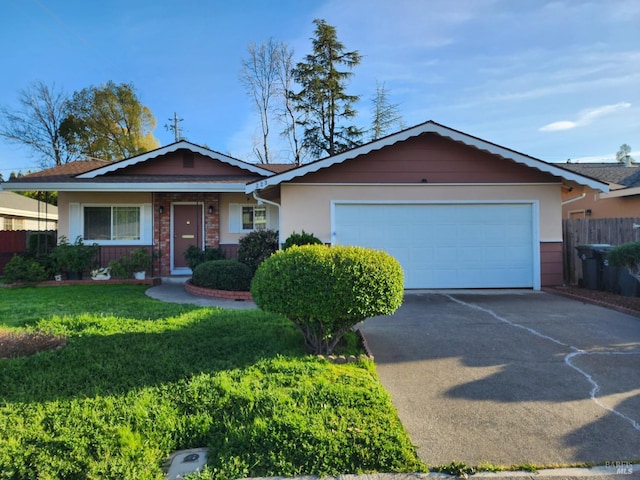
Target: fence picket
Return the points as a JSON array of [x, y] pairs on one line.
[[581, 231]]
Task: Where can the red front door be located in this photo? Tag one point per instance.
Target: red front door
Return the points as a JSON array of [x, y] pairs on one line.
[[187, 231]]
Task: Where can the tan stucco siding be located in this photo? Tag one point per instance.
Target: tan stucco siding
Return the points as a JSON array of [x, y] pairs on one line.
[[65, 198], [226, 199], [615, 207], [308, 207]]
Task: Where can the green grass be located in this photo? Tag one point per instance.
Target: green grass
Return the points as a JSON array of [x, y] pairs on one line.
[[139, 379]]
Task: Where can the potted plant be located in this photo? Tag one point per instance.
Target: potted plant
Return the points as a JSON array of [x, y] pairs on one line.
[[75, 258], [135, 263]]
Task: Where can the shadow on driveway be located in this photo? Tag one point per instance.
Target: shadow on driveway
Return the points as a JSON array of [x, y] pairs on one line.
[[512, 377]]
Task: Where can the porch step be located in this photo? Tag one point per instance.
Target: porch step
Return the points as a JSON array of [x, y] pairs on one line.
[[175, 279]]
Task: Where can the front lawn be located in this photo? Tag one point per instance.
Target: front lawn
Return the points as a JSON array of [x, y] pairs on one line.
[[139, 379]]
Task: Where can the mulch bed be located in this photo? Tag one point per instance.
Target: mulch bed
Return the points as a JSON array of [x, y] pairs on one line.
[[630, 305]]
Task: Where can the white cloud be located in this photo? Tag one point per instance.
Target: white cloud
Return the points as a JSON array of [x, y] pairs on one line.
[[585, 117]]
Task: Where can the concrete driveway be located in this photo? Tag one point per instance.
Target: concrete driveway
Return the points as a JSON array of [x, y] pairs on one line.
[[509, 377]]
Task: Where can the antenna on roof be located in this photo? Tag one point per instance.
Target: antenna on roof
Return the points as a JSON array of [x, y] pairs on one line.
[[177, 131]]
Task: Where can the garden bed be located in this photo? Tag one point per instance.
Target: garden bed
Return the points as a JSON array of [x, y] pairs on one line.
[[220, 294], [88, 281], [630, 305]]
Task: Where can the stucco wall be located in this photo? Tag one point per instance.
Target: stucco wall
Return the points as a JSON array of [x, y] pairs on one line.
[[617, 207], [308, 207]]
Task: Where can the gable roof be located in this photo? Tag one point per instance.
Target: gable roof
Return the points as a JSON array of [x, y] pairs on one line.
[[93, 175], [427, 127], [181, 145]]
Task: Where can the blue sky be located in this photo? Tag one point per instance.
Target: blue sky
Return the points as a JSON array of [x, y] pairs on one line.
[[552, 79]]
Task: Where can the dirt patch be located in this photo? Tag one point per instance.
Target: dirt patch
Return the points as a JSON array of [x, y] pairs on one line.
[[15, 344]]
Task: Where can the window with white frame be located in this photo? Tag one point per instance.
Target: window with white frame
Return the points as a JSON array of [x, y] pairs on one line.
[[112, 223], [254, 218], [245, 218]]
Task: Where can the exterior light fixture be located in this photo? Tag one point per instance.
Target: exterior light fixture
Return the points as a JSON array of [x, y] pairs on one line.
[[160, 209], [211, 209]]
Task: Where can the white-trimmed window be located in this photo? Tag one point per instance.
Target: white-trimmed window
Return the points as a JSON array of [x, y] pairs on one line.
[[120, 224], [247, 218], [111, 223]]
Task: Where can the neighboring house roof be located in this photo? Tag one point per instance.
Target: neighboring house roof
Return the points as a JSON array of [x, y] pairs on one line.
[[99, 175], [14, 205], [428, 127], [623, 179], [612, 173]]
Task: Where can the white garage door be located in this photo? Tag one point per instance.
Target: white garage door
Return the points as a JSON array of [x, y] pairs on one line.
[[446, 245]]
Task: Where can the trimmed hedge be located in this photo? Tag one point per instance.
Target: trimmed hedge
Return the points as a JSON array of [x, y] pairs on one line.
[[229, 275], [325, 291], [194, 256]]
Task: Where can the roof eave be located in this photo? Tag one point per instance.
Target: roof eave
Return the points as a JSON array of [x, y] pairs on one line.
[[622, 192], [125, 187]]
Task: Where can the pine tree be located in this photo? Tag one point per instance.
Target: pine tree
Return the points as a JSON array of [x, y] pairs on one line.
[[322, 101]]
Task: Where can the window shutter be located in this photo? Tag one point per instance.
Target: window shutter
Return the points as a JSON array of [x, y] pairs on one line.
[[235, 218], [75, 222], [146, 223]]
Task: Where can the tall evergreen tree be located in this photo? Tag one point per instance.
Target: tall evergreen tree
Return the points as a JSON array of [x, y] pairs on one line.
[[322, 101]]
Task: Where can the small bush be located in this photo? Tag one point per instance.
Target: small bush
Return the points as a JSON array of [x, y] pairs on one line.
[[21, 269], [194, 256], [300, 239], [626, 255], [256, 246], [325, 291], [223, 275], [137, 260]]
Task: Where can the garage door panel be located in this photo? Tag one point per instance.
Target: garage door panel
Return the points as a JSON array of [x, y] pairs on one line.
[[446, 245]]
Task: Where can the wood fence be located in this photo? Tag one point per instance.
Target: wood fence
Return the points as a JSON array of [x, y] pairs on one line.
[[11, 242], [586, 231]]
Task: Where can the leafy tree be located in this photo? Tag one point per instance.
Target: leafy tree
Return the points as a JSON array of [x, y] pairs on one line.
[[322, 101], [109, 122], [325, 291], [36, 124], [385, 115], [623, 155]]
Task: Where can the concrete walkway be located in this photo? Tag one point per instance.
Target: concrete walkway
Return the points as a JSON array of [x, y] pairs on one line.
[[172, 291]]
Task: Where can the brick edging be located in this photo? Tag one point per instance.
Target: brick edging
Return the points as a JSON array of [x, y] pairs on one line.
[[220, 294]]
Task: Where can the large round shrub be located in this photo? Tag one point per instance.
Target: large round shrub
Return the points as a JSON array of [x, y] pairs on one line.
[[223, 275], [325, 291], [254, 247], [300, 239]]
